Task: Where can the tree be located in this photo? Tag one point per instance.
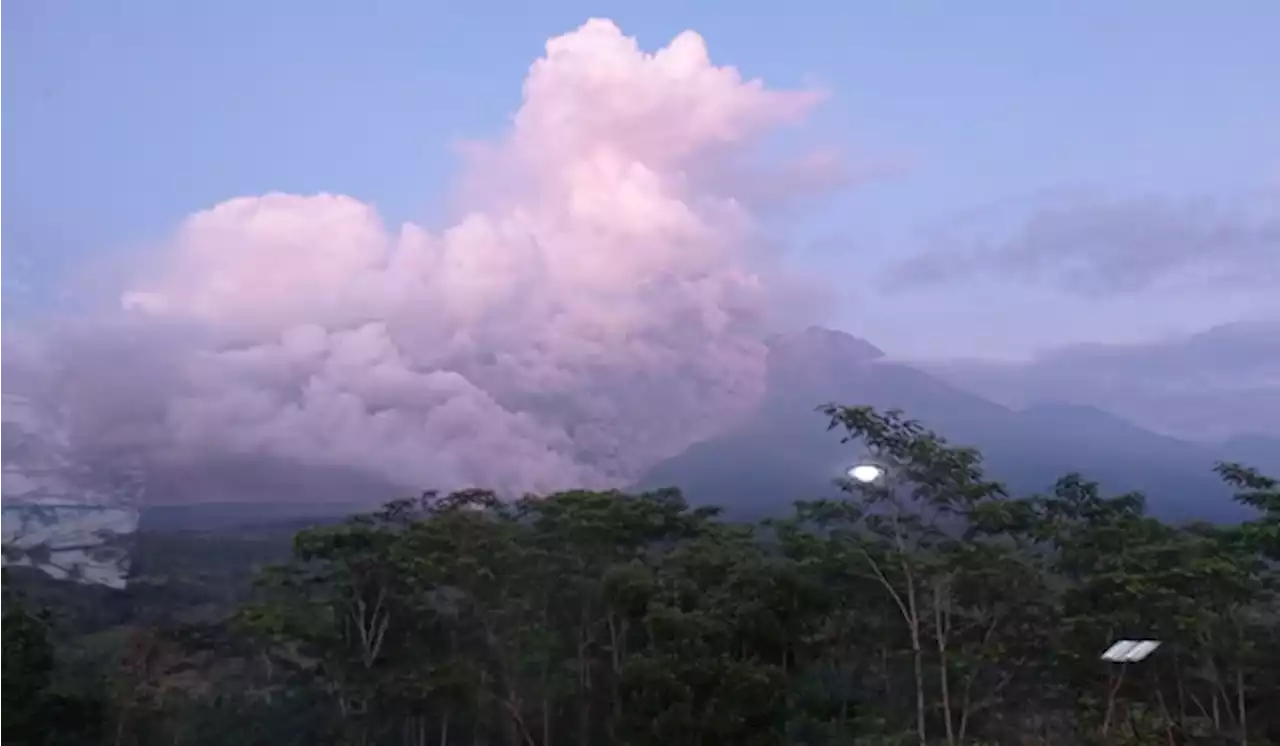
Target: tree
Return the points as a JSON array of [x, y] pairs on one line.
[[35, 711], [928, 608], [28, 668]]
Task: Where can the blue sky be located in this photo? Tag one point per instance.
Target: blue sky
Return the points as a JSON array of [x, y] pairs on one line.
[[121, 118]]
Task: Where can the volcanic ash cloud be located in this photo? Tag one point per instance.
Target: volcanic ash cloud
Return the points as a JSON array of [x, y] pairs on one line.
[[599, 306]]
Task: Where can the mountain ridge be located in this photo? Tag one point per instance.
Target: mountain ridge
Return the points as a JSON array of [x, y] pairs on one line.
[[782, 453]]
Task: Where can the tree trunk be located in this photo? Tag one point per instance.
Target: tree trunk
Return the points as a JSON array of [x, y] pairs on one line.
[[917, 655], [617, 641], [943, 673], [1112, 692], [1168, 716], [1242, 716], [911, 617]]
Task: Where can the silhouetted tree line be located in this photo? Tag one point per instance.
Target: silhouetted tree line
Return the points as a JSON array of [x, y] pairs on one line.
[[926, 608]]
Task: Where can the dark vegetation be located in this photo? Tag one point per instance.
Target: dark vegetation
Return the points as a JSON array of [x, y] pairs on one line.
[[932, 608]]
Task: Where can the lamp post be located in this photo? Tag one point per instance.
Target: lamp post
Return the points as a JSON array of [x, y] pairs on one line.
[[1124, 652]]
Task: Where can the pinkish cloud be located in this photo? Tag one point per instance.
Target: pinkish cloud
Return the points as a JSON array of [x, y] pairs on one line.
[[599, 306]]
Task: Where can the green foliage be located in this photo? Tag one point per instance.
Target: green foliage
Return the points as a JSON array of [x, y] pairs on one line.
[[36, 711], [28, 667], [927, 608]]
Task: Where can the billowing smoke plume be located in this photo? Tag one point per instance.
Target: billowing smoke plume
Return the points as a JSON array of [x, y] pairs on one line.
[[600, 306]]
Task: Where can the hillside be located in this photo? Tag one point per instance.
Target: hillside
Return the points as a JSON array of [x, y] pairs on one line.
[[783, 453]]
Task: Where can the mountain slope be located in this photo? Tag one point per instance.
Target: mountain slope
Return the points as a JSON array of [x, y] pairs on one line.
[[784, 453]]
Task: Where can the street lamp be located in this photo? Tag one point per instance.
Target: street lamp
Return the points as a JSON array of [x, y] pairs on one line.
[[1123, 652], [1130, 651], [865, 473]]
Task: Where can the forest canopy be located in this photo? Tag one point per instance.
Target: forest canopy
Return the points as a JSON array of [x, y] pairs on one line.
[[925, 607]]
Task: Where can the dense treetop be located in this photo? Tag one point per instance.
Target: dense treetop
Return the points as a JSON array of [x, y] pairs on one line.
[[929, 607]]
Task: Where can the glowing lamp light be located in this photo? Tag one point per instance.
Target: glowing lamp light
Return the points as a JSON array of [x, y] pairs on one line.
[[865, 473]]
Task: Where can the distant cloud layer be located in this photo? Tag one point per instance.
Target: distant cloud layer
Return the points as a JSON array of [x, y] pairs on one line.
[[601, 305], [1214, 384], [1094, 246]]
